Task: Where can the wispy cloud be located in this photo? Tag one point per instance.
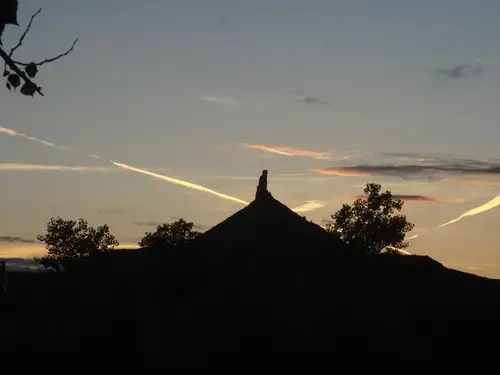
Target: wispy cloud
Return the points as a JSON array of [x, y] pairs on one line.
[[224, 100], [313, 100], [110, 211], [15, 239], [440, 159], [474, 182], [309, 206], [461, 71], [299, 92], [201, 227], [291, 151], [155, 223], [301, 152], [412, 170], [152, 224], [20, 167], [307, 99], [418, 198]]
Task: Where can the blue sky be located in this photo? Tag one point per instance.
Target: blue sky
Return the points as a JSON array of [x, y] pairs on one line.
[[182, 88]]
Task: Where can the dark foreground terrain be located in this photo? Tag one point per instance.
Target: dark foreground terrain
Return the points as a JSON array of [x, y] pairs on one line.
[[264, 280]]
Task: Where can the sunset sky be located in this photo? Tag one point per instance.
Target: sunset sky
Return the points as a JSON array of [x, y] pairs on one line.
[[326, 94]]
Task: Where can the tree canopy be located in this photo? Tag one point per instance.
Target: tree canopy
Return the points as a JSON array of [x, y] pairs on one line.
[[170, 234], [68, 240], [371, 223]]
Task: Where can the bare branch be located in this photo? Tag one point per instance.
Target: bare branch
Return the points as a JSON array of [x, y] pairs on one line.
[[11, 64], [19, 44], [30, 69], [51, 59]]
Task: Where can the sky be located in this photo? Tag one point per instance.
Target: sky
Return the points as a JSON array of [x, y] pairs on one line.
[[327, 95]]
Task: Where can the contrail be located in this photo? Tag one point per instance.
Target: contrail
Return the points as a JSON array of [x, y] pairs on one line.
[[179, 182], [308, 206], [14, 133], [19, 167], [485, 207]]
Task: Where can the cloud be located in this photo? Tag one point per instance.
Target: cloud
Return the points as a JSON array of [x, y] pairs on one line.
[[201, 227], [20, 167], [440, 159], [152, 224], [344, 172], [302, 152], [223, 100], [412, 170], [473, 182], [309, 206], [300, 92], [110, 211], [291, 151], [418, 198], [461, 71], [313, 100], [15, 239]]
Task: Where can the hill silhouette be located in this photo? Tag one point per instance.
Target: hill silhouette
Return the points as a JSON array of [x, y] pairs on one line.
[[264, 222], [263, 280]]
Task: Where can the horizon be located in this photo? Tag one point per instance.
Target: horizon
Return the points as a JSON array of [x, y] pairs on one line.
[[177, 116]]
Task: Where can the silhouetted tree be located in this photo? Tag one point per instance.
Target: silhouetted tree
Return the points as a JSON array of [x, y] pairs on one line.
[[15, 71], [170, 234], [69, 241], [371, 224]]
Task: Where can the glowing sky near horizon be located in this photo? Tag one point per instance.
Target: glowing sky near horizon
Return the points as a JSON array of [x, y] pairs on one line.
[[210, 94]]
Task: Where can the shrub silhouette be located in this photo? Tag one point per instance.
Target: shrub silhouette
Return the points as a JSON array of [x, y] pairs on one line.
[[70, 242], [371, 224], [170, 234]]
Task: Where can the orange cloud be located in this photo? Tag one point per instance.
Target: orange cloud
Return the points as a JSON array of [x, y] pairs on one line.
[[342, 172], [472, 182], [407, 198], [291, 151]]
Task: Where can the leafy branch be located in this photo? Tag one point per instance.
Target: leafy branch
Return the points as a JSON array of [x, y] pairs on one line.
[[15, 71]]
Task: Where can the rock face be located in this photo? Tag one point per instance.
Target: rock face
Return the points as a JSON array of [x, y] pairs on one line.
[[262, 191]]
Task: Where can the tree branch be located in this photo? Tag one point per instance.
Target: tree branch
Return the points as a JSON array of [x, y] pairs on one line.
[[11, 64], [19, 44], [51, 59], [29, 88]]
